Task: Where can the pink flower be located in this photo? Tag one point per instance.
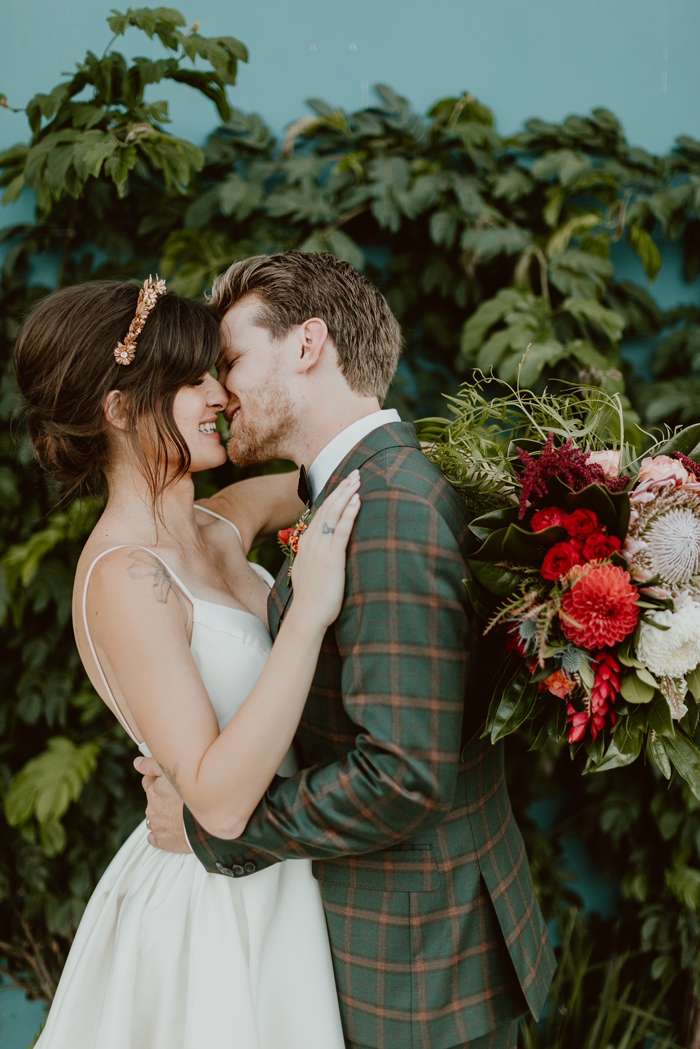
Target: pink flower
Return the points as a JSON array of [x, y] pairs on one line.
[[609, 461], [641, 497], [662, 469]]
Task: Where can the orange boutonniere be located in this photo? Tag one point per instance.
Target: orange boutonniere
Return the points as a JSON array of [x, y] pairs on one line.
[[288, 538]]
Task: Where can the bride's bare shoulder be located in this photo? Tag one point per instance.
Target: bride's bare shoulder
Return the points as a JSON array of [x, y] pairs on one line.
[[126, 579]]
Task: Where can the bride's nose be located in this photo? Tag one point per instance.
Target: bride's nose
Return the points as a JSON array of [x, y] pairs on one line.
[[217, 397]]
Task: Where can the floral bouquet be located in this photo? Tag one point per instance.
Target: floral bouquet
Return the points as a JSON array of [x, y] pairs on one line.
[[586, 568]]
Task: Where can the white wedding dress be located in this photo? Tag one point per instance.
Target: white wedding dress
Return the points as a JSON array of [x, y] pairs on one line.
[[168, 956]]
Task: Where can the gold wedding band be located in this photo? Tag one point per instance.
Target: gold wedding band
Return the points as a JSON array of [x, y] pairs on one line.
[[148, 824]]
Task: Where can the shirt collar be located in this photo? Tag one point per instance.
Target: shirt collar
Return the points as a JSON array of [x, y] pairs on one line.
[[336, 450]]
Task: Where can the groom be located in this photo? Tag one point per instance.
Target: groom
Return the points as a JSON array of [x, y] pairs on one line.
[[436, 934]]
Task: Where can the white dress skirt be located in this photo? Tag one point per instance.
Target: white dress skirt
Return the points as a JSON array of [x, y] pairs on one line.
[[168, 956]]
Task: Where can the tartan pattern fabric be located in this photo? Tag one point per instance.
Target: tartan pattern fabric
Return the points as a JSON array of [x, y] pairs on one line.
[[504, 1037], [436, 934]]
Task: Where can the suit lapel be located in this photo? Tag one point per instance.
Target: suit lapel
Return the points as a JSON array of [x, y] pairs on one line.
[[391, 436]]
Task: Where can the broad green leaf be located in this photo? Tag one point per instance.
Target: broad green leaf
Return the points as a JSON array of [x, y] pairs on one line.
[[684, 883], [489, 243], [643, 243], [484, 525], [523, 547], [580, 274], [693, 682], [597, 498], [512, 185], [624, 748], [657, 751], [489, 313], [634, 690], [607, 321], [497, 579], [47, 785], [337, 243], [559, 241], [14, 189], [659, 718], [516, 706], [684, 440], [685, 758], [649, 679], [527, 368]]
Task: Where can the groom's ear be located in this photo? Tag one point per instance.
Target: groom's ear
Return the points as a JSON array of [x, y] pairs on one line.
[[313, 335]]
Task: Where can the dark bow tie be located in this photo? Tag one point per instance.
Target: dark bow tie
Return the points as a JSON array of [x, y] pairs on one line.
[[304, 489]]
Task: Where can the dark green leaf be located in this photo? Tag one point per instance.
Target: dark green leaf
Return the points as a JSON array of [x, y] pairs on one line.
[[685, 758]]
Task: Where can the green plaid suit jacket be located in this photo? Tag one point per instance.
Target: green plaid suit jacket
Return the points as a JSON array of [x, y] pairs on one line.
[[436, 934]]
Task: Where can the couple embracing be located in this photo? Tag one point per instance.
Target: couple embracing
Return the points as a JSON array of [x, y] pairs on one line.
[[330, 857]]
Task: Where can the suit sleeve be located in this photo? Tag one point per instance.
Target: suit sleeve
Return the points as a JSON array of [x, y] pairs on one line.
[[402, 637]]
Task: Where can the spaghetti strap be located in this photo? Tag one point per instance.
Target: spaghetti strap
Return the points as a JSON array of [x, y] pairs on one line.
[[206, 510], [115, 705]]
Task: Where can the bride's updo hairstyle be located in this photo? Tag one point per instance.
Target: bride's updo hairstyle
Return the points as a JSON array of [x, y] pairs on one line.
[[65, 367]]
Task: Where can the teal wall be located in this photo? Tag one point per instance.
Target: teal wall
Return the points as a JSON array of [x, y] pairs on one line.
[[523, 58]]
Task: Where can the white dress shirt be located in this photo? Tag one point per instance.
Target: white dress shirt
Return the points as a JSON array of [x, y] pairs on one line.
[[335, 451]]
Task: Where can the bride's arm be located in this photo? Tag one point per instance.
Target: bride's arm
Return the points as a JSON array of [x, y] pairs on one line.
[[259, 506], [142, 634]]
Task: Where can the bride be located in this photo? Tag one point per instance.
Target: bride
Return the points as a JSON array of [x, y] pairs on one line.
[[170, 621]]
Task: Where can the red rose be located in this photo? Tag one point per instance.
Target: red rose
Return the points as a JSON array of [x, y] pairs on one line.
[[598, 547], [549, 517], [559, 560], [582, 523], [284, 534]]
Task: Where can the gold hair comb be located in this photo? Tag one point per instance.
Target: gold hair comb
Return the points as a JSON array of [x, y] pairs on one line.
[[148, 296]]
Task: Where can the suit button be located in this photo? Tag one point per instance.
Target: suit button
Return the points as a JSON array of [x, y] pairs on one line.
[[249, 868], [237, 870], [224, 870]]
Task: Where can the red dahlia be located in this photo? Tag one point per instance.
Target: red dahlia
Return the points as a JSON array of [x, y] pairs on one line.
[[600, 609]]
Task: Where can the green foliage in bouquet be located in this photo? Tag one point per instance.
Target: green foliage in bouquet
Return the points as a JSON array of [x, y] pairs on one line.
[[483, 246]]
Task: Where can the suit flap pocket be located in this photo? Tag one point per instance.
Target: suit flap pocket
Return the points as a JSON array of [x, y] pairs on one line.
[[399, 869]]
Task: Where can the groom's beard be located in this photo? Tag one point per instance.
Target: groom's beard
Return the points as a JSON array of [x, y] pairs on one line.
[[263, 429]]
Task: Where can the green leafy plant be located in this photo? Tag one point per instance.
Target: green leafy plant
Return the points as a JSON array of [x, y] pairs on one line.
[[483, 246]]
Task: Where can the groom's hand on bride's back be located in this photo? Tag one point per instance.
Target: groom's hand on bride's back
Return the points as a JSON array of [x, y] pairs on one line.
[[163, 809]]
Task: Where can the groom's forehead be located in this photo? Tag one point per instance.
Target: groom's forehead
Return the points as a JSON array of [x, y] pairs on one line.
[[241, 320]]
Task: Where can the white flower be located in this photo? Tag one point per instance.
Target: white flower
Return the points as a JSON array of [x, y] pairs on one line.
[[674, 545], [674, 652]]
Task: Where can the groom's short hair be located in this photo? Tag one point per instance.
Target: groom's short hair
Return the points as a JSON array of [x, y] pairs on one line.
[[295, 285]]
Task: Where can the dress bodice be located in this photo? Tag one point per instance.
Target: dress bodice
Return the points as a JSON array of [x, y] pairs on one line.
[[229, 646]]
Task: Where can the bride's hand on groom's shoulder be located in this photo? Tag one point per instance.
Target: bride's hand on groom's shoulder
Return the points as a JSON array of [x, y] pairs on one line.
[[163, 810], [318, 572]]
